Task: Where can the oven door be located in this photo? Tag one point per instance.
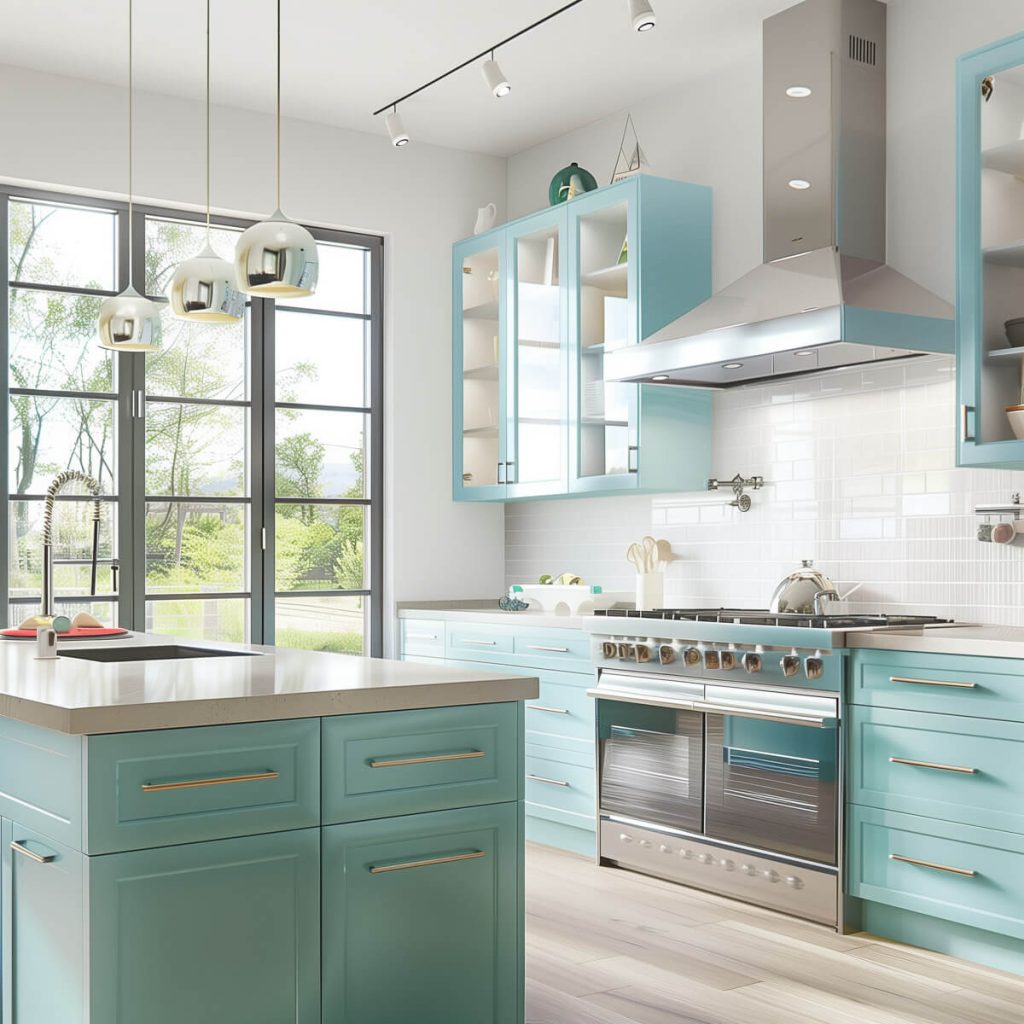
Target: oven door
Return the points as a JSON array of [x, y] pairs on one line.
[[772, 772], [651, 763]]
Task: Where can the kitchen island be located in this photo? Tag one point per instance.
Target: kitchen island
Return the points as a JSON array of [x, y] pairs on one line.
[[229, 833]]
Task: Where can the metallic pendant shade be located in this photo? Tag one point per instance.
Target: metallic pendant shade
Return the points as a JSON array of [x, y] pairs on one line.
[[204, 289], [129, 322]]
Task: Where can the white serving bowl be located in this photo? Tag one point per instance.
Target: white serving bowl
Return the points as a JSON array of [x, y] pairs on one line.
[[1015, 414]]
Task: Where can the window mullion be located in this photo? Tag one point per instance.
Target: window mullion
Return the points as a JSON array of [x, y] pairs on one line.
[[266, 388], [5, 410]]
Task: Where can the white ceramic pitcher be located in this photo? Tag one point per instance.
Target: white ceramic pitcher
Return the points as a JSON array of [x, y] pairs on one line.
[[485, 218]]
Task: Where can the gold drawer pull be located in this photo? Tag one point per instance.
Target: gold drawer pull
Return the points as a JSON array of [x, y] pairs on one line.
[[543, 647], [549, 710], [931, 864], [933, 682], [222, 780], [547, 782], [482, 643], [39, 858], [382, 869], [398, 762], [932, 764]]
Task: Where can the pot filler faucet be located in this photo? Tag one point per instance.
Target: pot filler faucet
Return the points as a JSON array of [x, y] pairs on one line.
[[57, 485]]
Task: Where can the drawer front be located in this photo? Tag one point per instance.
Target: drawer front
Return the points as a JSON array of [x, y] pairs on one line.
[[563, 714], [560, 792], [477, 643], [959, 873], [176, 786], [405, 762], [946, 684], [556, 648], [942, 766], [423, 637]]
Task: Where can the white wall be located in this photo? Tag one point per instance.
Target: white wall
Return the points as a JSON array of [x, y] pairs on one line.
[[64, 133], [861, 464]]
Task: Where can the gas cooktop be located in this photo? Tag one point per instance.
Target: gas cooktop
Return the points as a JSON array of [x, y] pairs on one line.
[[760, 617]]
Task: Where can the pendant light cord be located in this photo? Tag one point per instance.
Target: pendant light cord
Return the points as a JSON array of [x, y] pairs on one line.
[[278, 203], [207, 122], [131, 145]]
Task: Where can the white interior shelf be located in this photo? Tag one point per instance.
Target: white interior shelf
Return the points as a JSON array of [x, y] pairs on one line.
[[613, 278], [1006, 255], [488, 372], [1006, 353], [480, 432], [1008, 158], [485, 311]]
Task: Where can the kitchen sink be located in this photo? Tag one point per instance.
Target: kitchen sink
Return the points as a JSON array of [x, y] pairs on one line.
[[157, 652]]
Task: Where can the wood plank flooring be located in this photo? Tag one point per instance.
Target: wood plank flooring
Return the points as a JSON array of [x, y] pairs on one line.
[[612, 947]]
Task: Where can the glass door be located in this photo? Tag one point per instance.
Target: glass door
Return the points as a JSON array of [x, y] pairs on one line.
[[479, 371], [603, 317], [537, 453]]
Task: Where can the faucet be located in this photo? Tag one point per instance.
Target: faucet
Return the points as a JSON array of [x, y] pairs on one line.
[[56, 486]]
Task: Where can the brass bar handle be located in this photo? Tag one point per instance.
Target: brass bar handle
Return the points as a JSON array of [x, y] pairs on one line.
[[548, 710], [933, 682], [39, 858], [220, 780], [933, 764], [547, 782], [967, 873], [399, 762], [482, 643], [551, 650], [383, 869]]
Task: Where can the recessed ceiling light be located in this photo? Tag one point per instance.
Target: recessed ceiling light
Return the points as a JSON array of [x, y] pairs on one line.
[[798, 92], [799, 184], [661, 376], [731, 366]]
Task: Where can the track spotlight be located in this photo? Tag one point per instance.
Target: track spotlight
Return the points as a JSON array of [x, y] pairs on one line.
[[642, 15], [495, 78], [393, 120]]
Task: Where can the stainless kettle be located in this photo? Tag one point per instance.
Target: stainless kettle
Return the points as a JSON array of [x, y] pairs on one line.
[[805, 591]]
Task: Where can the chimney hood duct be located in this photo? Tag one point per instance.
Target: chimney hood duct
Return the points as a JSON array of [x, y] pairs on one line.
[[824, 297]]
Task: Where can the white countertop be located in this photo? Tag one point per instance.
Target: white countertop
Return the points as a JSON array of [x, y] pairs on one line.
[[489, 612], [73, 695], [982, 641]]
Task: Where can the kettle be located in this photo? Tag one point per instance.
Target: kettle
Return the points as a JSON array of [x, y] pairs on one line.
[[804, 591]]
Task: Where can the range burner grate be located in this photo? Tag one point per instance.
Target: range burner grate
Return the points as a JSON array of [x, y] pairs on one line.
[[760, 617]]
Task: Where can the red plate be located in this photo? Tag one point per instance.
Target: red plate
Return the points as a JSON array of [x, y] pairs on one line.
[[76, 633]]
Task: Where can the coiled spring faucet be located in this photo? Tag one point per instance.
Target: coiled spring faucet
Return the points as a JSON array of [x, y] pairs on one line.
[[57, 485]]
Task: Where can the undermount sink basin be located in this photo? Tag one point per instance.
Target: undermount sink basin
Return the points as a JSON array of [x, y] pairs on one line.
[[158, 652]]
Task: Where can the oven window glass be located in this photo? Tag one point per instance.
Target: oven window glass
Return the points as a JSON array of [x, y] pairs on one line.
[[773, 786], [652, 764]]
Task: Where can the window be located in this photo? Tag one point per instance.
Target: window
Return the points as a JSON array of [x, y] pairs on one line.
[[244, 503]]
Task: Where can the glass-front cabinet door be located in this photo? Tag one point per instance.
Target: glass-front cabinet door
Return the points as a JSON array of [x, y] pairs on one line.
[[604, 446], [990, 254], [536, 448], [479, 376]]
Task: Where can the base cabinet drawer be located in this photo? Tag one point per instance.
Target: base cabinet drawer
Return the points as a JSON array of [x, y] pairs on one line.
[[561, 792], [420, 919], [956, 872], [942, 766], [408, 762], [563, 714], [422, 637], [149, 789]]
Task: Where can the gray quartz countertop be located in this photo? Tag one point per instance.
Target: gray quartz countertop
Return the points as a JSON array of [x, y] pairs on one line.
[[488, 612], [74, 695], [982, 641]]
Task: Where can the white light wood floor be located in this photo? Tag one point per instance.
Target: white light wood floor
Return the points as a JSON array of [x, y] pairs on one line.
[[605, 946]]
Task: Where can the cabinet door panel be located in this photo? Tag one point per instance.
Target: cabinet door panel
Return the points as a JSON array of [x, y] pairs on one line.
[[225, 932], [421, 919]]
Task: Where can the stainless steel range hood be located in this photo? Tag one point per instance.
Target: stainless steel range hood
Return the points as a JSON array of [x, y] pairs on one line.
[[824, 297]]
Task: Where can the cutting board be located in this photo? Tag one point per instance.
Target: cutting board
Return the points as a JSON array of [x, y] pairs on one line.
[[75, 633]]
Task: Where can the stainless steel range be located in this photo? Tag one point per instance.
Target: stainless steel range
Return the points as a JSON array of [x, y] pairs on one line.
[[719, 735]]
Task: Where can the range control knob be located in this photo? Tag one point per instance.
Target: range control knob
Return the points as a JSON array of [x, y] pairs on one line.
[[814, 668], [728, 659], [626, 652], [790, 664], [727, 865], [691, 656], [748, 869], [666, 654], [712, 660], [643, 653], [794, 882], [609, 650], [751, 662]]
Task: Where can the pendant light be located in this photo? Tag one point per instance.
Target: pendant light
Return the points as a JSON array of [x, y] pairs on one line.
[[129, 322], [641, 14], [277, 257], [204, 288]]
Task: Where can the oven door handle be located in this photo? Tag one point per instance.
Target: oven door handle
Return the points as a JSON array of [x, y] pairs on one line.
[[653, 700], [769, 715]]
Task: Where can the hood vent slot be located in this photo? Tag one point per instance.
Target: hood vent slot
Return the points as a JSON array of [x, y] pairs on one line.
[[862, 50]]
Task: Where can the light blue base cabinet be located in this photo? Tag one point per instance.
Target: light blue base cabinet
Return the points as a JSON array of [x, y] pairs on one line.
[[935, 828], [402, 912], [536, 305], [559, 773]]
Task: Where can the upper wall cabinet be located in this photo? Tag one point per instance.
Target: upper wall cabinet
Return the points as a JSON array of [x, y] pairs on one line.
[[990, 254], [537, 304]]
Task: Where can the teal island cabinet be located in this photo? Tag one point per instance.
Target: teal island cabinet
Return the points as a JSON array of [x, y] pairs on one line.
[[559, 770], [536, 305], [990, 255], [353, 854], [935, 798]]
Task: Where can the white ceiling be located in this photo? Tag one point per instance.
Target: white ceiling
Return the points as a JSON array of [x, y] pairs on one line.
[[342, 59]]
